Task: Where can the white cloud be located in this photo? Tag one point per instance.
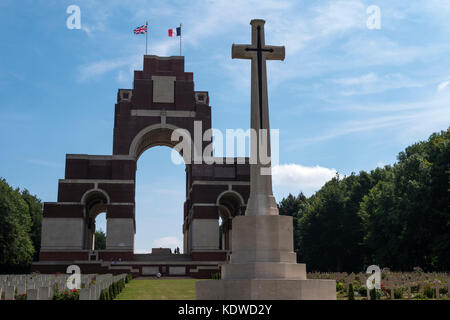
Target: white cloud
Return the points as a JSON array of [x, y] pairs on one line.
[[123, 77], [439, 10], [125, 66], [381, 164], [364, 79], [94, 17], [168, 242], [372, 83], [443, 85], [339, 16], [410, 120], [301, 176], [98, 68], [91, 29], [380, 50]]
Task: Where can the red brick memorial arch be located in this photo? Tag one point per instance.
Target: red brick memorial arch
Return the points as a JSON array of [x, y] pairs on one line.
[[162, 100]]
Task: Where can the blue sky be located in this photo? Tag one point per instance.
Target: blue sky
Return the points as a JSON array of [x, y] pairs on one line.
[[345, 99]]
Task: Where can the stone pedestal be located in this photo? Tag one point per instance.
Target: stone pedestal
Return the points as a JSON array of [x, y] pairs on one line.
[[263, 265]]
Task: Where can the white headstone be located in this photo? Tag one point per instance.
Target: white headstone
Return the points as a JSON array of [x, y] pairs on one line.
[[98, 291], [10, 292], [31, 285], [21, 289], [93, 293], [33, 294], [44, 293], [85, 294]]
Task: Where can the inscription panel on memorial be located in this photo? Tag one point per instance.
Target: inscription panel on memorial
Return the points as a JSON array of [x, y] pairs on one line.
[[150, 271], [177, 271], [163, 89]]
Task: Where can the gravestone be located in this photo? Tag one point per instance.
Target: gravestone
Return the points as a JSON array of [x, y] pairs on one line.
[[85, 294], [21, 289], [92, 293], [98, 291], [263, 264], [44, 293], [33, 294], [10, 292]]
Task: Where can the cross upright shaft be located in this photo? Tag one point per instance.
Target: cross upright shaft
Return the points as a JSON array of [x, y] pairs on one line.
[[261, 201]]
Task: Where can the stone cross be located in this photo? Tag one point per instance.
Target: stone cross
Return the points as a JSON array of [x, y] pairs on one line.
[[261, 201]]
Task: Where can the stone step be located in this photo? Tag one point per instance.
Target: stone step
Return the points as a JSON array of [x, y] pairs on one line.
[[264, 270]]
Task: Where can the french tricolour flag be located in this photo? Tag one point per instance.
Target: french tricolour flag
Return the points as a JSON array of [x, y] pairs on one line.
[[175, 32]]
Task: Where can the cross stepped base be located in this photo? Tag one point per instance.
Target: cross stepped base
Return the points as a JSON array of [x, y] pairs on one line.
[[263, 265]]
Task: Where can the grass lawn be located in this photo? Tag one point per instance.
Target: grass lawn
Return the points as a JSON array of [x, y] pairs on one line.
[[162, 289]]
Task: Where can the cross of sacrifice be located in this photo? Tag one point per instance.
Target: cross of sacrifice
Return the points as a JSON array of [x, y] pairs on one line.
[[258, 52], [261, 200]]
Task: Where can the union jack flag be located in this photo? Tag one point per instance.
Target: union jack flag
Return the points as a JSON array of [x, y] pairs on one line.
[[141, 29]]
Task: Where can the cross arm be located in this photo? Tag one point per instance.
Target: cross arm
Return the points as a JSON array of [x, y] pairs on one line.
[[275, 53], [238, 51]]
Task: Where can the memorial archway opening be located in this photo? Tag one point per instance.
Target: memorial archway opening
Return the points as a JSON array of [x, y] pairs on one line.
[[159, 201]]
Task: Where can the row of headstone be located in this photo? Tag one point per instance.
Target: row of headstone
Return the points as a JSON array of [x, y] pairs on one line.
[[103, 282], [43, 287], [394, 280]]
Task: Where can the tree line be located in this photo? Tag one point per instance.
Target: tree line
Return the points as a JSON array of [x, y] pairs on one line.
[[397, 216]]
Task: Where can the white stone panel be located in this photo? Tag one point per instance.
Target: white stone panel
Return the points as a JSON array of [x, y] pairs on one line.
[[150, 271], [163, 89], [180, 271], [205, 234], [62, 233], [120, 234]]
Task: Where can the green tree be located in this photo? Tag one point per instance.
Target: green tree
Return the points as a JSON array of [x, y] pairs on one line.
[[16, 248], [100, 240], [35, 210], [290, 206]]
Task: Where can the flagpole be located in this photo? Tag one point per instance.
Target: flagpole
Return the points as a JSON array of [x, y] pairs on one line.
[[146, 38], [181, 34]]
